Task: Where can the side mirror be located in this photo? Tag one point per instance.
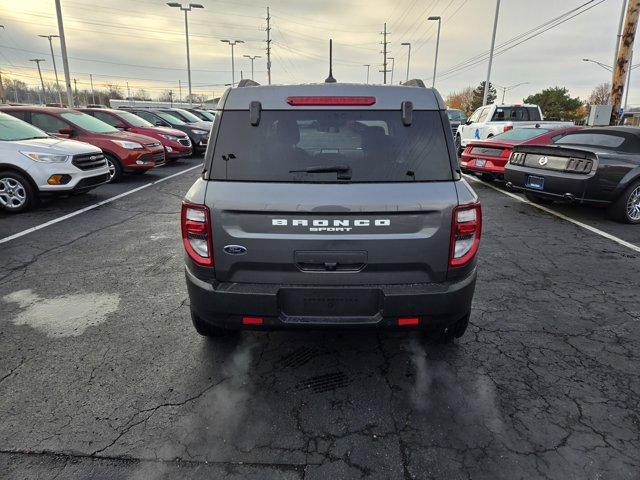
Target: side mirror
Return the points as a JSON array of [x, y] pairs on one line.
[[120, 126], [468, 122], [159, 123], [66, 131]]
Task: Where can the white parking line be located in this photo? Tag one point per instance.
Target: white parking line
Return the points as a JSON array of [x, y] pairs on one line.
[[95, 205], [595, 230]]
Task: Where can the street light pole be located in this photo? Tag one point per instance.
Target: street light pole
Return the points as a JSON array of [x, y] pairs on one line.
[[510, 87], [368, 67], [408, 58], [252, 58], [53, 59], [93, 94], [186, 9], [44, 93], [233, 68], [435, 62], [485, 96], [393, 66]]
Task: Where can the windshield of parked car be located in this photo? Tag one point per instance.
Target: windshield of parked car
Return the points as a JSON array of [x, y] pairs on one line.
[[134, 119], [516, 114], [456, 116], [328, 146], [172, 119], [186, 116], [521, 134], [208, 116], [12, 129], [88, 122]]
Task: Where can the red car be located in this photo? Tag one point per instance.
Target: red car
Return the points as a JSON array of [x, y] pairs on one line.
[[125, 152], [488, 157], [176, 143]]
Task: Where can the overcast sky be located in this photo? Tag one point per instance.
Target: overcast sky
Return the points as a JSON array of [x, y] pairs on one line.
[[142, 42]]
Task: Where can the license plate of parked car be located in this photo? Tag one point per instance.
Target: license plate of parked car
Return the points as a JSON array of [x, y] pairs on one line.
[[480, 163], [535, 182]]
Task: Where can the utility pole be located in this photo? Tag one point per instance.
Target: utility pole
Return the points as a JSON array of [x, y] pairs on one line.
[[435, 61], [384, 52], [252, 58], [38, 60], [618, 38], [180, 91], [93, 93], [65, 60], [268, 47], [628, 87], [75, 87], [368, 67], [129, 92], [623, 61], [493, 44], [171, 98], [407, 44], [53, 59]]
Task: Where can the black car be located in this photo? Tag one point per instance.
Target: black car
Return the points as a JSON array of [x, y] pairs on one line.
[[199, 135], [593, 166], [456, 118]]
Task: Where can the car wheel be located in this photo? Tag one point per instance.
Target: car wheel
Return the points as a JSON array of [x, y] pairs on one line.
[[627, 208], [458, 145], [533, 198], [207, 330], [115, 169], [16, 192]]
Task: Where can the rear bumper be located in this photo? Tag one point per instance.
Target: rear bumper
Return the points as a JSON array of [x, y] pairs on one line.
[[492, 165], [225, 304]]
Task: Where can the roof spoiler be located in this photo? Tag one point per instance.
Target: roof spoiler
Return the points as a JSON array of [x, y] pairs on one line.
[[247, 82], [414, 82]]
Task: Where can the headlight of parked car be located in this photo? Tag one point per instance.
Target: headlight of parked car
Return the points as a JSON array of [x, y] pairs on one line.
[[45, 157], [129, 145], [200, 132], [171, 138]]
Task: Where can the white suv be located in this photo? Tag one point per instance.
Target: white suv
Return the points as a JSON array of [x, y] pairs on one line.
[[33, 164]]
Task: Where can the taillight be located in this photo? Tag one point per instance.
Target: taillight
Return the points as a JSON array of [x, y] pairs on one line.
[[330, 100], [468, 149], [507, 128], [466, 227], [506, 153], [196, 233]]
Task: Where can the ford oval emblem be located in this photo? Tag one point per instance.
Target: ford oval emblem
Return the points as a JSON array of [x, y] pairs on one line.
[[543, 161], [235, 249]]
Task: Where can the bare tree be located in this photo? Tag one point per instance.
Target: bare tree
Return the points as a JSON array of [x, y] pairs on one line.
[[600, 95]]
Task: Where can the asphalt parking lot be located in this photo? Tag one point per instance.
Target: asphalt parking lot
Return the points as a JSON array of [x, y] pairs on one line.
[[103, 376]]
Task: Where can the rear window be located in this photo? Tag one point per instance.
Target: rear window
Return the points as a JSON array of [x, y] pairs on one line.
[[516, 114], [605, 140], [365, 146], [521, 134]]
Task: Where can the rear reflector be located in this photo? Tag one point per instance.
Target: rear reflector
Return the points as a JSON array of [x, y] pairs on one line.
[[252, 320], [408, 321], [340, 101]]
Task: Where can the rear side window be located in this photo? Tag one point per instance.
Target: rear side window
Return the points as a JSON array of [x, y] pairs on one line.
[[605, 140], [106, 118], [516, 114], [366, 146]]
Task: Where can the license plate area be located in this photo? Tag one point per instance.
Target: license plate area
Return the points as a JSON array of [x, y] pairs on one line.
[[480, 163], [535, 182], [329, 302]]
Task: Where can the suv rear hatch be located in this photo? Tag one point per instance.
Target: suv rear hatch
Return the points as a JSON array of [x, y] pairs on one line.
[[331, 196]]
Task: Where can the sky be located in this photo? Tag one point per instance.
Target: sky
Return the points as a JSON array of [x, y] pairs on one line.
[[142, 42]]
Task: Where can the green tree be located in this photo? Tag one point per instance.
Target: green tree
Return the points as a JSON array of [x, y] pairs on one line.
[[557, 104], [478, 95]]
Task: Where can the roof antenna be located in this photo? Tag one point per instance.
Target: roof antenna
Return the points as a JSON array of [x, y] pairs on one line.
[[330, 78]]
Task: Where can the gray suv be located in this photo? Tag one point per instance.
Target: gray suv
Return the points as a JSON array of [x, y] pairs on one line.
[[331, 206]]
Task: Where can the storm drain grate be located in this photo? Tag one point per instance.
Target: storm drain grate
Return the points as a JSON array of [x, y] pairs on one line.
[[299, 357], [324, 383]]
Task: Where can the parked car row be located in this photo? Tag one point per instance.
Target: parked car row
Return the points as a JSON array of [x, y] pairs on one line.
[[588, 166], [50, 150]]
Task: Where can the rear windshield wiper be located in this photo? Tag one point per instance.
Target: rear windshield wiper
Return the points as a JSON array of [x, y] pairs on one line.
[[324, 169]]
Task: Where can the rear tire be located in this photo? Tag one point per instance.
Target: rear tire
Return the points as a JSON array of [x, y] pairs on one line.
[[16, 192], [115, 168], [627, 208], [211, 331], [458, 143], [532, 197], [448, 334]]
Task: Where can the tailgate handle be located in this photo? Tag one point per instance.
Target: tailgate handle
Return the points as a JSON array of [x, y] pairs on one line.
[[330, 261]]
